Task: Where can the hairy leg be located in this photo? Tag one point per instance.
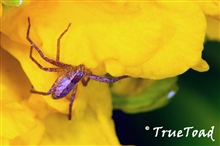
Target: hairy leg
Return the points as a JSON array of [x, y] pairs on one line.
[[51, 61], [58, 43], [106, 80], [41, 67], [71, 103]]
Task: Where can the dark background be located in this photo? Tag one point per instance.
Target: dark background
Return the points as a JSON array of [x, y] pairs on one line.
[[197, 103]]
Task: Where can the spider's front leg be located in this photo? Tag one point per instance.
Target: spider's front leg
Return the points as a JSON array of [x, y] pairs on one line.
[[35, 46], [106, 80], [51, 61], [58, 43]]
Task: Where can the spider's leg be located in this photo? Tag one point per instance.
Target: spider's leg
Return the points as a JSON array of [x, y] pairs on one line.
[[85, 82], [51, 61], [71, 103], [58, 43], [41, 67], [106, 80], [39, 92]]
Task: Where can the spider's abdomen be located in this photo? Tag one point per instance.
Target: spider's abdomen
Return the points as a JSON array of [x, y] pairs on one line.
[[64, 84]]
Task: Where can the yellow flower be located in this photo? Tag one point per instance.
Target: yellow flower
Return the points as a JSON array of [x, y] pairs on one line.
[[153, 40]]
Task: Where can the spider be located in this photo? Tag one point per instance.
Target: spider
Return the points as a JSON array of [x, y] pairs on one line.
[[70, 76]]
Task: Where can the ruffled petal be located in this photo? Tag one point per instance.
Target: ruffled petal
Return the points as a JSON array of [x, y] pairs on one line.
[[149, 40]]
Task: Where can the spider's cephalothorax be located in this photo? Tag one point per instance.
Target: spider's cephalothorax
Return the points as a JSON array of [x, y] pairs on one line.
[[67, 81]]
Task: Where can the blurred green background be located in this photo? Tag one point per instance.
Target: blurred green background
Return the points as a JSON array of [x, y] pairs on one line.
[[197, 103]]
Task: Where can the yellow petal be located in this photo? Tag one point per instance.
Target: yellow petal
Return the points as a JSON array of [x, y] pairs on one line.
[[16, 119], [210, 8], [150, 40], [213, 29], [16, 116], [32, 137], [201, 66]]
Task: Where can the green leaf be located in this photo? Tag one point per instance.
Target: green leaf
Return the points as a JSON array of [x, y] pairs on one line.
[[12, 3], [155, 96]]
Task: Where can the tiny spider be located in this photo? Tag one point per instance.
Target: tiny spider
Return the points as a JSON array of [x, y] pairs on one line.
[[71, 75]]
